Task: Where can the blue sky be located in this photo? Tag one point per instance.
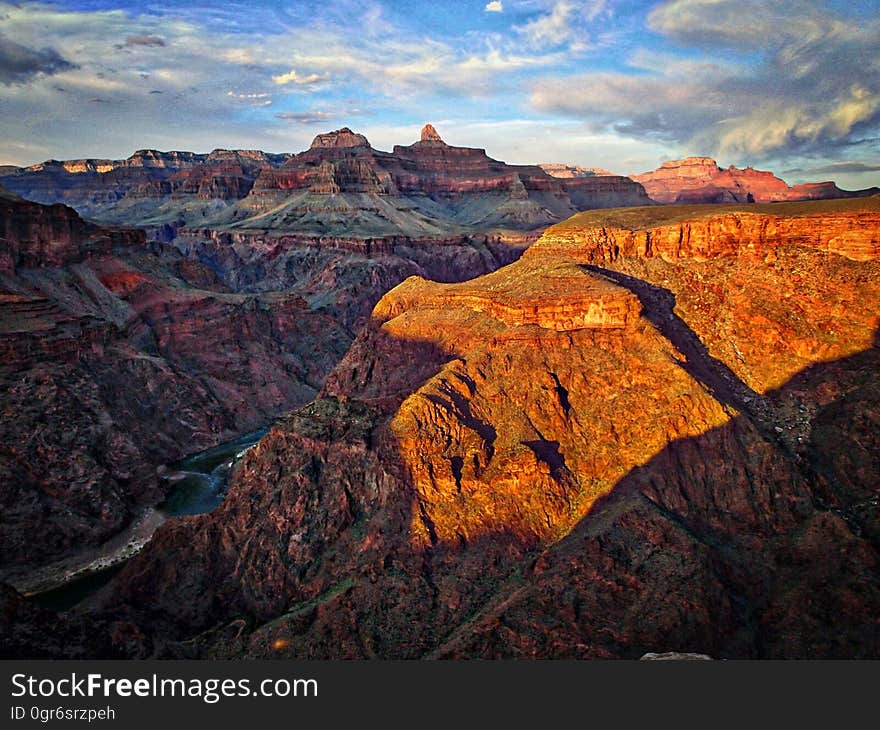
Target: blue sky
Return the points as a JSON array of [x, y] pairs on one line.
[[792, 86]]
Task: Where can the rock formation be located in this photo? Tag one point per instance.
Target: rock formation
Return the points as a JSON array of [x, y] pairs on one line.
[[91, 186], [36, 235], [429, 134], [700, 180], [340, 186], [557, 169], [119, 356], [340, 138], [574, 456]]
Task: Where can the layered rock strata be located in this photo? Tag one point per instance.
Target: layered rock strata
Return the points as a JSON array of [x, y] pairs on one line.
[[561, 459], [116, 358], [341, 186]]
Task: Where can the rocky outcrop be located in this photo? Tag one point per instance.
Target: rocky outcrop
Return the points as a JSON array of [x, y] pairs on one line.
[[561, 299], [224, 175], [36, 235], [699, 180], [740, 232], [557, 169], [340, 138], [738, 275], [498, 469], [429, 134]]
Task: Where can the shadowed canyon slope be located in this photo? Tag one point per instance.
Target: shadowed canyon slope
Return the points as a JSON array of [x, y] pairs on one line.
[[701, 180], [118, 356], [656, 431]]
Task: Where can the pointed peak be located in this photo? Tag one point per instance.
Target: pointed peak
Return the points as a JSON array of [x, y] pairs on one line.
[[429, 134]]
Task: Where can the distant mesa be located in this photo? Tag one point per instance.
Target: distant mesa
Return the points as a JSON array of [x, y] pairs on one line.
[[340, 138], [340, 187], [558, 169], [699, 180]]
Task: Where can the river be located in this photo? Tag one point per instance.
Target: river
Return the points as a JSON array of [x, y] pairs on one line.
[[198, 484]]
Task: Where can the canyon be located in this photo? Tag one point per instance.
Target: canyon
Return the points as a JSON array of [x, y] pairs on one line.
[[656, 431], [509, 414], [118, 357], [122, 351]]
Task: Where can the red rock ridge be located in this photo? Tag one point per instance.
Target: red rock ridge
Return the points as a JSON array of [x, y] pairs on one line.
[[695, 180], [743, 233], [34, 235]]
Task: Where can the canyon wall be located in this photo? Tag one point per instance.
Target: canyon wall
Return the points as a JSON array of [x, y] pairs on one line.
[[559, 459], [119, 356], [339, 186], [113, 363]]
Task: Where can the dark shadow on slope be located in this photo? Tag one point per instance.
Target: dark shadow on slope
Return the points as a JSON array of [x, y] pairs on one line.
[[659, 308], [718, 544]]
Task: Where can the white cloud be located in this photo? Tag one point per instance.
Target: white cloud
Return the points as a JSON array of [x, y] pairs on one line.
[[246, 96], [553, 28], [292, 77], [812, 82], [566, 23], [496, 6]]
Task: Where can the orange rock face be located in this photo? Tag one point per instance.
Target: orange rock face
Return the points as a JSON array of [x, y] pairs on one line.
[[758, 288], [574, 456]]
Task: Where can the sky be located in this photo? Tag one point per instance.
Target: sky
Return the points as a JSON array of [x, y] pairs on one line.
[[787, 85]]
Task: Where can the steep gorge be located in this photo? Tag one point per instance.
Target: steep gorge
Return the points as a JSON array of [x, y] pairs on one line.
[[573, 456]]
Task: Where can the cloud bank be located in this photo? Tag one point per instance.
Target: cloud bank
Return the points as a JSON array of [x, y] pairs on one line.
[[772, 79], [20, 64]]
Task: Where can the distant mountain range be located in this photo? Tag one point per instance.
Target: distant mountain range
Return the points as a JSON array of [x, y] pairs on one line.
[[340, 186]]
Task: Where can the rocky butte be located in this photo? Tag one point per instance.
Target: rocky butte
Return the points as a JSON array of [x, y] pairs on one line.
[[700, 180], [656, 431]]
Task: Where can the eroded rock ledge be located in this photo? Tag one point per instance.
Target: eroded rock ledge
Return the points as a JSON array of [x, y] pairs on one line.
[[742, 233]]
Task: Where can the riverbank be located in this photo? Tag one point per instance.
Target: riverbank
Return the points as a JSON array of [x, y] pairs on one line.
[[197, 484]]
